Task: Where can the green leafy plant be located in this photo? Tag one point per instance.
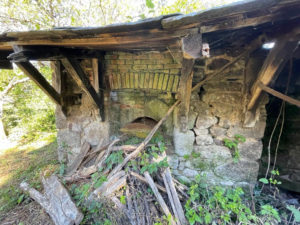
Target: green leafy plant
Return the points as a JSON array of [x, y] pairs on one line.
[[272, 179], [233, 145], [206, 205], [114, 159], [296, 213], [270, 213]]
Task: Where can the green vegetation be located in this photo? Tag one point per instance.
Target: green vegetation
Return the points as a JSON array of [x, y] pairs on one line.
[[233, 145], [27, 162]]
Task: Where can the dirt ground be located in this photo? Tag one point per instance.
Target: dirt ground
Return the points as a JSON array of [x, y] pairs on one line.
[[26, 214]]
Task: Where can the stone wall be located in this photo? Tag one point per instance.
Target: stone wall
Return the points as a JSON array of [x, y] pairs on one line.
[[144, 84], [216, 113]]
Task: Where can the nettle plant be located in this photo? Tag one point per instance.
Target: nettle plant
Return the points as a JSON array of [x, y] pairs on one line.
[[232, 144]]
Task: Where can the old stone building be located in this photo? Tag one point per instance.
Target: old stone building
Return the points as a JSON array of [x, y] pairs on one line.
[[212, 61]]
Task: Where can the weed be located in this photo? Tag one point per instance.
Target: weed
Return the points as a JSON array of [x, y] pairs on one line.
[[233, 145]]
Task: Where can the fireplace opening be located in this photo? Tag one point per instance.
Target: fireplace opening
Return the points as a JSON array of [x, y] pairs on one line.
[[139, 127]]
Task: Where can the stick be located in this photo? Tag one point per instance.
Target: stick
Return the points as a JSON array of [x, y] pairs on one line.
[[173, 196], [141, 178], [99, 163], [159, 197]]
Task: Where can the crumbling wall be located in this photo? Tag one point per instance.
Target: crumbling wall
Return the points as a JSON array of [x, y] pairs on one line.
[[216, 113], [80, 122]]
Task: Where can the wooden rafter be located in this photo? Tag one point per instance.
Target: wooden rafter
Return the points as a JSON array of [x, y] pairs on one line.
[[39, 79], [76, 72], [272, 66], [279, 95]]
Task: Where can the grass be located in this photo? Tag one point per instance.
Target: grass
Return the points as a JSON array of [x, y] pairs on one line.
[[25, 162]]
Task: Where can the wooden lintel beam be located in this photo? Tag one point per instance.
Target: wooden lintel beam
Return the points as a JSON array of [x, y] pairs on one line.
[[272, 66], [279, 95], [39, 79], [76, 72]]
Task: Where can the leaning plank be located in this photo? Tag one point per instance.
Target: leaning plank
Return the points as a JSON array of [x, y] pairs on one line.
[[74, 69], [56, 201], [253, 46], [38, 78], [79, 158], [159, 197], [173, 196], [279, 95]]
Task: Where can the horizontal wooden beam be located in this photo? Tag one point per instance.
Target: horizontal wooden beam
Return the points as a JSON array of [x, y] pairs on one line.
[[76, 72], [39, 79], [279, 95]]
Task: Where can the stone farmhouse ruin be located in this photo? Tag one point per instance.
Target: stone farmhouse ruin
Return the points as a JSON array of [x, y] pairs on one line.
[[219, 64]]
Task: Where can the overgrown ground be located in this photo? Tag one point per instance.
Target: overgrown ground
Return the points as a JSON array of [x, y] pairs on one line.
[[27, 161]]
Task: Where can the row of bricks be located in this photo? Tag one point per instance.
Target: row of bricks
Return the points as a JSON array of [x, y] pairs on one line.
[[144, 67], [139, 61], [156, 81], [146, 55]]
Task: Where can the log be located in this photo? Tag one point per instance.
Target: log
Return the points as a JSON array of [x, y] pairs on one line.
[[56, 201], [79, 158], [173, 197], [110, 186], [159, 198]]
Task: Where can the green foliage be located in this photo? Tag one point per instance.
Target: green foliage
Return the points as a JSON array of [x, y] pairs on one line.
[[272, 179], [123, 199], [114, 159], [270, 212], [207, 205], [233, 145], [296, 212]]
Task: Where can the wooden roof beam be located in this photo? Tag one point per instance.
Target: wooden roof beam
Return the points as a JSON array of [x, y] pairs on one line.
[[39, 79], [272, 66], [76, 72]]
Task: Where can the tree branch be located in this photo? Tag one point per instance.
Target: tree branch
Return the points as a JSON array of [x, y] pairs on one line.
[[12, 83]]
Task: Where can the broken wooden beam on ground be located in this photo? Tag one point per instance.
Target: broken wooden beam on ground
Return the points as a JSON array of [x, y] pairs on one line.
[[56, 201]]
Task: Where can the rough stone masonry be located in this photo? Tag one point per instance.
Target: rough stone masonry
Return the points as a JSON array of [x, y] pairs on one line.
[[144, 84]]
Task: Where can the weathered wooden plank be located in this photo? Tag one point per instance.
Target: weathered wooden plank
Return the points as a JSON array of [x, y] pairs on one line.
[[38, 78], [155, 81], [272, 66], [279, 95], [78, 75], [95, 66], [185, 90]]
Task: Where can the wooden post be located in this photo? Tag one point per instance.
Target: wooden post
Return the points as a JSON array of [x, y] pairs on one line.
[[191, 49], [74, 69], [38, 78]]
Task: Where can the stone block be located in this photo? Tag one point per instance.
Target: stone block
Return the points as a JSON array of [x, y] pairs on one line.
[[172, 66], [204, 139], [253, 132], [251, 149], [95, 132], [192, 119], [155, 67], [183, 142], [139, 67], [190, 173], [173, 161], [205, 121], [200, 131], [211, 156], [217, 131], [243, 171]]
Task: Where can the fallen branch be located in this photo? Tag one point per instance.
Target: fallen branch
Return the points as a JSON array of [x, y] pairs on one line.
[[173, 196], [56, 201]]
